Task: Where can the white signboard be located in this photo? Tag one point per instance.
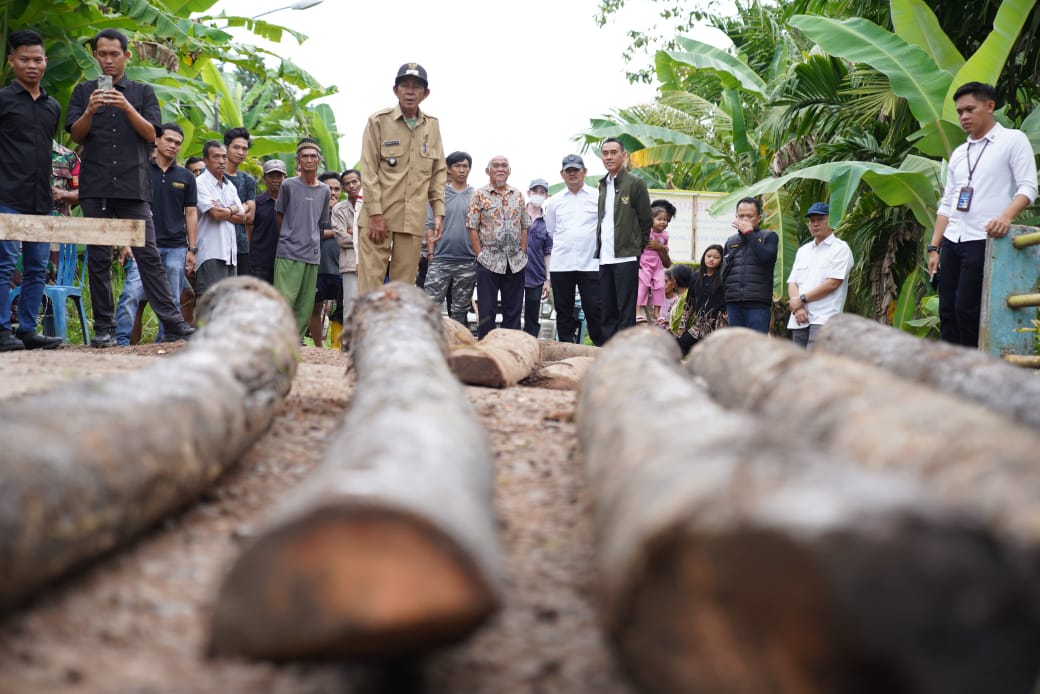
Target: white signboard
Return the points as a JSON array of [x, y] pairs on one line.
[[693, 228]]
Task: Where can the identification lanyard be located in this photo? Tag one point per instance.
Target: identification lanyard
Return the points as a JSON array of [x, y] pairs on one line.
[[964, 199]]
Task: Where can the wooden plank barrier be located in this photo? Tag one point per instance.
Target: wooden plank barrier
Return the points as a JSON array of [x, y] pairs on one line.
[[56, 229]]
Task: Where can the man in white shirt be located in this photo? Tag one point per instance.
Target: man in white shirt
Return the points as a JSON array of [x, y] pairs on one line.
[[819, 280], [991, 178], [570, 219], [219, 211]]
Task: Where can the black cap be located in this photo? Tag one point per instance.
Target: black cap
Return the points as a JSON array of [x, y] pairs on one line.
[[412, 70], [572, 161]]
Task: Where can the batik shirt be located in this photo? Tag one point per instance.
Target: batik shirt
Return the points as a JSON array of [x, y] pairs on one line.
[[501, 220]]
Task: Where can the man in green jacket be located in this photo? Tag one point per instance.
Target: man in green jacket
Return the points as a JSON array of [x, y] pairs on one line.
[[621, 235]]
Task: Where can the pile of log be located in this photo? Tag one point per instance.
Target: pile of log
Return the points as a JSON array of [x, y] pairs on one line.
[[90, 464], [960, 371], [738, 552], [390, 548]]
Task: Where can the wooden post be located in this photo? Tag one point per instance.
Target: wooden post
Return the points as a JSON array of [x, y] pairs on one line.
[[734, 558], [88, 465], [390, 548], [960, 371]]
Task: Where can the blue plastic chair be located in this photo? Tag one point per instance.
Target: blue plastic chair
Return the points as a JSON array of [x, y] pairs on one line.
[[67, 286]]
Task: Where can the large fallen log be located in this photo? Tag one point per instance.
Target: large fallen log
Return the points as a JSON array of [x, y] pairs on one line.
[[732, 558], [550, 350], [962, 451], [960, 371], [90, 464], [456, 334], [390, 547], [501, 360], [566, 374]]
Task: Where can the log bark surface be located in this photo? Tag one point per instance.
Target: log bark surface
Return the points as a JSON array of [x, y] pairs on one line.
[[960, 371], [389, 549], [550, 350], [565, 374], [91, 464], [968, 455], [732, 558], [456, 334], [501, 360]]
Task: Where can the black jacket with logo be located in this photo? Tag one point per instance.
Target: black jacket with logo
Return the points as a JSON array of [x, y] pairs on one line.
[[748, 266]]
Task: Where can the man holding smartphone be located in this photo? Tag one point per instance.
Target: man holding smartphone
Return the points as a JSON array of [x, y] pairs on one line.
[[118, 127]]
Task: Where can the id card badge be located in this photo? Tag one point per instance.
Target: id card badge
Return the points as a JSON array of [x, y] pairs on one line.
[[964, 199]]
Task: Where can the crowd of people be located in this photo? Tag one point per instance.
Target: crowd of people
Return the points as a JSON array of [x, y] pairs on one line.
[[409, 214]]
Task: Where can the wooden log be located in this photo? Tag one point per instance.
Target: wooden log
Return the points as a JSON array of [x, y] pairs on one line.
[[551, 350], [501, 360], [57, 229], [732, 558], [960, 371], [390, 548], [970, 456], [561, 375], [456, 334], [90, 464], [1023, 361]]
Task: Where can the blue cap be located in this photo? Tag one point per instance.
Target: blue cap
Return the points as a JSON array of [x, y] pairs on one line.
[[819, 208]]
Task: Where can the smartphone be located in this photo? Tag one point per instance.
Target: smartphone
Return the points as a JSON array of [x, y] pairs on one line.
[[104, 82]]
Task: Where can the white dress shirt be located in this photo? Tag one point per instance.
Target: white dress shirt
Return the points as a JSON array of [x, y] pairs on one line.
[[570, 219], [814, 263], [1004, 167], [216, 240]]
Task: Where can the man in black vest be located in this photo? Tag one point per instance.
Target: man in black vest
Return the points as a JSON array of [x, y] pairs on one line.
[[748, 269]]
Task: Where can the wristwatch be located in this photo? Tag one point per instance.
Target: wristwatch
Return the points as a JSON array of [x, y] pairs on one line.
[[193, 249], [801, 297], [931, 249]]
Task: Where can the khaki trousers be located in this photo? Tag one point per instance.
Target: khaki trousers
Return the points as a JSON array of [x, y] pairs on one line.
[[398, 251]]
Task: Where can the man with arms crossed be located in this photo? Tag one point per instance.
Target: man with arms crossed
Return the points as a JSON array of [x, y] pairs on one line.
[[28, 124], [990, 180]]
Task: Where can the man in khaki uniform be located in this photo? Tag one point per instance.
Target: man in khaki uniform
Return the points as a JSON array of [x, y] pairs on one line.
[[402, 170]]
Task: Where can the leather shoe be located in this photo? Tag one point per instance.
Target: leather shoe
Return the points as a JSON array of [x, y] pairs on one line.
[[35, 341], [102, 340], [9, 343], [180, 331]]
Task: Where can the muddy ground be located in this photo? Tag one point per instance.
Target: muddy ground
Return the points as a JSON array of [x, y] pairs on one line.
[[136, 622]]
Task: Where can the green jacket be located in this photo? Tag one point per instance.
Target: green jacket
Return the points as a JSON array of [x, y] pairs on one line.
[[632, 218]]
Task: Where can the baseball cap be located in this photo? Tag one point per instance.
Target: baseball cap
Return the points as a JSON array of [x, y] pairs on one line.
[[412, 70], [819, 208], [274, 165], [539, 182], [573, 161]]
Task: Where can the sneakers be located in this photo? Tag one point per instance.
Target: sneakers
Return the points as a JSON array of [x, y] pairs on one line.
[[103, 340], [180, 331], [8, 342], [34, 341]]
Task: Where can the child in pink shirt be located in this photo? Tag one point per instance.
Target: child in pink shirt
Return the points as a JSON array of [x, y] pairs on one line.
[[653, 261]]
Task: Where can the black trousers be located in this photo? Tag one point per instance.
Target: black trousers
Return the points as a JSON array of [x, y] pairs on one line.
[[153, 274], [563, 285], [533, 310], [489, 284], [960, 291], [618, 283]]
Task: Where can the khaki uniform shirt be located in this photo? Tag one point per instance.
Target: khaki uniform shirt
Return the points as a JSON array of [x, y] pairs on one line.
[[402, 170]]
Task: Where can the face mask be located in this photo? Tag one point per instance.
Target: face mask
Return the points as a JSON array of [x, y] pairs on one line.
[[536, 199]]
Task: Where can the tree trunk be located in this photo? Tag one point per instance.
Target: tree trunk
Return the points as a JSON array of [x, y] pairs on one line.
[[734, 559], [561, 375], [960, 371], [550, 350], [389, 548], [970, 456], [88, 465], [501, 360], [456, 334]]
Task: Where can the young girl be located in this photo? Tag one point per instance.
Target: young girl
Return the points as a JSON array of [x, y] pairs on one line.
[[653, 262], [706, 309]]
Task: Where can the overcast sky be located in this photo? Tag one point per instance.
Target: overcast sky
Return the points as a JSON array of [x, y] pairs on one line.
[[519, 79]]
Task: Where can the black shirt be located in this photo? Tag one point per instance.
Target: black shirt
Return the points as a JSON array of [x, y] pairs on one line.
[[27, 130], [264, 243], [172, 191], [115, 159]]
